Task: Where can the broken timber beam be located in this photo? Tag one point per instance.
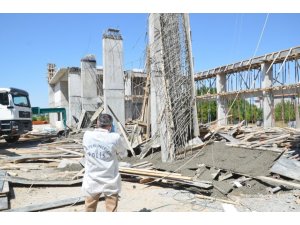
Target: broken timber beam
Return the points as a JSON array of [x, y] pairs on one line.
[[70, 151], [49, 205], [18, 159], [270, 140], [166, 176], [278, 182], [96, 114], [18, 180], [125, 138]]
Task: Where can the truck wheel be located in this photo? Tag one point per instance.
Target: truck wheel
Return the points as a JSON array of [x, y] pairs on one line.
[[12, 139]]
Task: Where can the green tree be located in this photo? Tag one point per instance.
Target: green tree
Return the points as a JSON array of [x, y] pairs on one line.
[[240, 110], [285, 110], [207, 111]]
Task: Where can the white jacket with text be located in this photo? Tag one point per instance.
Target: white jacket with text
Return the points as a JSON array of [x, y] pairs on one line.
[[101, 163]]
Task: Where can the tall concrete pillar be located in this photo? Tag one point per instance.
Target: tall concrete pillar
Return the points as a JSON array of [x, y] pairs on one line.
[[221, 106], [297, 112], [128, 95], [268, 100], [88, 83], [52, 116], [194, 94], [156, 59], [113, 74], [75, 104]]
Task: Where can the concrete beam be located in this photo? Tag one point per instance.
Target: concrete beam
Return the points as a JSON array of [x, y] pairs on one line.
[[275, 57]]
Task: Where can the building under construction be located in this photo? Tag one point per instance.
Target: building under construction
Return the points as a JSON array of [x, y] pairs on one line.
[[225, 139], [173, 104]]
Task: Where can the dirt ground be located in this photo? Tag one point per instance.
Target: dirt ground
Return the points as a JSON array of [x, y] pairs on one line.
[[137, 197]]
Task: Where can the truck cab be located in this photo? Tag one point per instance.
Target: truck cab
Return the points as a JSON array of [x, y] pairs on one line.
[[15, 114]]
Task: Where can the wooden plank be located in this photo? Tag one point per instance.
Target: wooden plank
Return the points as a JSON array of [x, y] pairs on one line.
[[139, 164], [278, 182], [228, 137], [203, 185], [125, 138], [79, 125], [18, 159], [70, 151], [214, 173], [18, 180], [224, 177], [166, 176], [96, 114], [79, 174], [242, 145], [133, 134], [153, 173], [271, 140], [58, 143], [49, 205], [287, 167]]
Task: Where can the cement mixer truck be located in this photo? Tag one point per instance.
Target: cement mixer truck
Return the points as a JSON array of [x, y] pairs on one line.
[[15, 114]]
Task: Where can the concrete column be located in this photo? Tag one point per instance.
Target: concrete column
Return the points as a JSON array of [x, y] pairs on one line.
[[52, 116], [88, 83], [268, 100], [113, 74], [194, 94], [128, 95], [75, 104], [155, 58], [221, 106], [297, 112]]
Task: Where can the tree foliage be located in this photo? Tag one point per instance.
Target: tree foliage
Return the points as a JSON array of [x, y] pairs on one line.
[[42, 117], [286, 111], [241, 110]]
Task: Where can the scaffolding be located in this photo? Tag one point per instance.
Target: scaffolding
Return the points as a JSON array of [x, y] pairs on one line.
[[244, 80]]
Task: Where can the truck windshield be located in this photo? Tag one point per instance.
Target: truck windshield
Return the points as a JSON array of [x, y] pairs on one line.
[[21, 100], [4, 99]]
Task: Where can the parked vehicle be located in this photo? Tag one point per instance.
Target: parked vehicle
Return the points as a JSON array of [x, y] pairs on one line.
[[15, 114]]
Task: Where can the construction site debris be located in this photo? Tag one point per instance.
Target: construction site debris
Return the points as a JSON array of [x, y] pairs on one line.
[[211, 168], [287, 167], [49, 205]]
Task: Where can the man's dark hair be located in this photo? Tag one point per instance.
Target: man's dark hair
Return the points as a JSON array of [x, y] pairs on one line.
[[105, 120]]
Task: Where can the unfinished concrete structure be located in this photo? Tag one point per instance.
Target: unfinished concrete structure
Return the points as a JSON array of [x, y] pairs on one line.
[[135, 81], [173, 108], [113, 78], [266, 78], [88, 87], [65, 90]]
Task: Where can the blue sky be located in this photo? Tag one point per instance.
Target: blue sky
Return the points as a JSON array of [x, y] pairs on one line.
[[29, 41]]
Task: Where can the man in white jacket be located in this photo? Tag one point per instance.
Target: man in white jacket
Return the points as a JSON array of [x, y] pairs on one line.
[[102, 175]]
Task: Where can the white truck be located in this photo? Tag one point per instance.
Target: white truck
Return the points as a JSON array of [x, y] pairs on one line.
[[15, 114]]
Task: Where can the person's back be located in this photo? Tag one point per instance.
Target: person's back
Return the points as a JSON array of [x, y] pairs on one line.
[[101, 164]]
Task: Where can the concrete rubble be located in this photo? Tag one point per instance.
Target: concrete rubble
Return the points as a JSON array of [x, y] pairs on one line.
[[221, 165]]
